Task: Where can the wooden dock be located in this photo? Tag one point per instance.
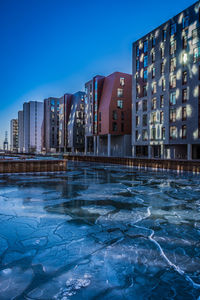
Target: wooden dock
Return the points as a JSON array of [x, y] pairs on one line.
[[33, 166], [143, 163]]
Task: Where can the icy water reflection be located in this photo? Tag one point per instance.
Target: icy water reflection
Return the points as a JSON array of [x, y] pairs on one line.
[[100, 232]]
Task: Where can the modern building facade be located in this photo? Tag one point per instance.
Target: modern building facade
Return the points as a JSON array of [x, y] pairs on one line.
[[51, 124], [166, 89], [33, 114], [65, 109], [14, 135], [108, 115], [20, 131], [76, 123]]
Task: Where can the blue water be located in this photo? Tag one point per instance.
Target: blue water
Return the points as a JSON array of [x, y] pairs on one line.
[[100, 232]]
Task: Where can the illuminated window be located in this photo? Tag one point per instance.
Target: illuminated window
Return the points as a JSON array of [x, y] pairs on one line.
[[163, 133], [184, 77], [161, 117], [144, 120], [172, 115], [120, 92], [137, 91], [153, 72], [144, 135], [153, 56], [184, 95], [172, 47], [162, 52], [185, 22], [145, 46], [184, 132], [163, 84], [185, 39], [184, 114], [173, 132], [173, 64], [173, 98], [153, 118], [172, 81], [196, 54], [162, 68], [195, 35], [161, 101], [145, 61], [122, 81], [154, 88], [153, 103], [119, 103]]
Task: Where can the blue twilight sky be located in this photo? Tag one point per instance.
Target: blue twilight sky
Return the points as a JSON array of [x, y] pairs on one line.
[[50, 47]]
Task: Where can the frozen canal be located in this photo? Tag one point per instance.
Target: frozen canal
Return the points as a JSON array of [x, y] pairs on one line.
[[100, 232]]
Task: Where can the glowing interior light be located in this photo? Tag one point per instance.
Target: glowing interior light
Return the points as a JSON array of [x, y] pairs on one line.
[[185, 58]]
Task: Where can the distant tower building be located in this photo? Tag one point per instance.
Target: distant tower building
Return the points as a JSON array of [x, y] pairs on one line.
[[33, 113], [20, 131], [5, 144], [14, 135]]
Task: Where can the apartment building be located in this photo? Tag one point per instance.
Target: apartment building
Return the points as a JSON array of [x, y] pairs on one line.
[[65, 109], [20, 131], [108, 115], [166, 89], [14, 135]]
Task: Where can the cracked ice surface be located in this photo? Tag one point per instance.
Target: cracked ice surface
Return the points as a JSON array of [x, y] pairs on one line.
[[100, 232]]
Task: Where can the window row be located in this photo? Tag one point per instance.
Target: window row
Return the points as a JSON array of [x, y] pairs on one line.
[[155, 134]]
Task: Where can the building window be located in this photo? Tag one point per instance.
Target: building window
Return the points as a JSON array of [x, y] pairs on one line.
[[145, 61], [145, 46], [145, 90], [184, 132], [122, 81], [163, 133], [136, 106], [173, 64], [173, 132], [114, 115], [172, 98], [122, 115], [184, 114], [144, 120], [144, 135], [172, 81], [172, 47], [144, 105], [196, 54], [153, 133], [161, 117], [153, 41], [137, 91], [120, 92], [114, 126], [137, 51], [137, 121], [153, 103], [162, 52], [122, 127], [163, 84], [153, 56], [172, 115], [184, 95], [145, 75], [184, 77], [153, 118], [153, 72], [185, 39], [195, 35], [137, 65], [119, 103], [164, 35], [173, 29], [136, 135], [154, 88], [162, 68], [184, 58], [185, 22], [161, 101]]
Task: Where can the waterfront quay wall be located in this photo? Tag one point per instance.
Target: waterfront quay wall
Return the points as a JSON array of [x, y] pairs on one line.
[[32, 166], [142, 163]]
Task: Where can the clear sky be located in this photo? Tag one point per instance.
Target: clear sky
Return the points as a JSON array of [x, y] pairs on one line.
[[50, 47]]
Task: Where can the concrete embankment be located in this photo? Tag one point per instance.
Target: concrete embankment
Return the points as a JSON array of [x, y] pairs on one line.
[[142, 163]]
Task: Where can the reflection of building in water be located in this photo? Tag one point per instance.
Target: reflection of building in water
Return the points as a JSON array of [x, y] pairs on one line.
[[166, 89]]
